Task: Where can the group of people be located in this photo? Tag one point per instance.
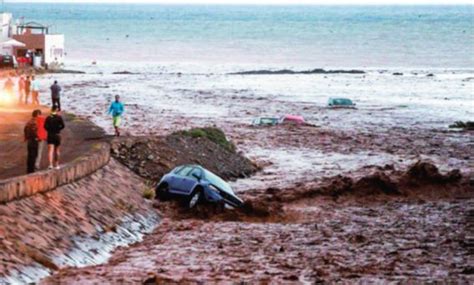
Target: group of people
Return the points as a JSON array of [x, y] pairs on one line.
[[40, 130], [26, 86], [29, 85]]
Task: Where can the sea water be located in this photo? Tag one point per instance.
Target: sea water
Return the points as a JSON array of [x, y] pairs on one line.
[[292, 36], [181, 51]]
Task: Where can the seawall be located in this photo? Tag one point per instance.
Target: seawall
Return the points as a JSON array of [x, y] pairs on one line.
[[74, 216], [76, 224]]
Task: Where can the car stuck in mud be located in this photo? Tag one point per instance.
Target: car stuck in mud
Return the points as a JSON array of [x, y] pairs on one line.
[[273, 121], [195, 184], [341, 103]]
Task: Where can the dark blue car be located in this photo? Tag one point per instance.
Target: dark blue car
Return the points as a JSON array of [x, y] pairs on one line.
[[196, 184]]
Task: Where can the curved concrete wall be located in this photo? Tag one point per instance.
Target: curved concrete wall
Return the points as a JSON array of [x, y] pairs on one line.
[[44, 181]]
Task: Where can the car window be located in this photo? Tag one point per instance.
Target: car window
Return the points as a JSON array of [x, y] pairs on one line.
[[177, 169], [196, 171], [184, 171]]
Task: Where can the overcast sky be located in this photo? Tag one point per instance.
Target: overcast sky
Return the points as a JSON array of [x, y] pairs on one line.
[[261, 1]]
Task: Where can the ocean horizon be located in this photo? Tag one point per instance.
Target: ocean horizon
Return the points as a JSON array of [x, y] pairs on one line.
[[294, 36]]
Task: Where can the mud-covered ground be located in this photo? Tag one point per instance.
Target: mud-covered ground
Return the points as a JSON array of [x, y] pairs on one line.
[[390, 242], [410, 227], [396, 235]]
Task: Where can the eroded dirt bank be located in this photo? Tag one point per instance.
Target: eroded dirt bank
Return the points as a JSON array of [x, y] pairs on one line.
[[153, 157], [387, 226], [75, 225]]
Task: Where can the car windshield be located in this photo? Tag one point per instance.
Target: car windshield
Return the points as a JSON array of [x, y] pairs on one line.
[[268, 120], [343, 102], [218, 182]]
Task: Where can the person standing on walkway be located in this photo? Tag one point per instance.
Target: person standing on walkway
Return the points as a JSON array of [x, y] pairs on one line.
[[116, 109], [42, 137], [31, 137], [35, 88], [54, 125], [21, 89], [56, 95], [27, 89]]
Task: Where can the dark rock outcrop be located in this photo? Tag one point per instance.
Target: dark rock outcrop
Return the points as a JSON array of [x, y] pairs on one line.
[[289, 71]]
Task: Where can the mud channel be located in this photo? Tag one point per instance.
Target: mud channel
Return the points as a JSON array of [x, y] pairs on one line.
[[342, 199], [375, 224]]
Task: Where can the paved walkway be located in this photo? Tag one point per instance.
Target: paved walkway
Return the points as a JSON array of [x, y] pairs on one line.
[[78, 137]]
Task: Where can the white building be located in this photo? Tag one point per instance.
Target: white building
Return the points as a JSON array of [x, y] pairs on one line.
[[38, 40], [31, 40], [6, 22]]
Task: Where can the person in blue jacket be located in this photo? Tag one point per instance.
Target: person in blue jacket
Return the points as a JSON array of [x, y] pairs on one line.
[[116, 110]]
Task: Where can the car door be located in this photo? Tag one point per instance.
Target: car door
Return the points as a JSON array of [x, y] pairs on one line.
[[179, 180], [172, 178], [193, 175], [189, 182], [185, 183]]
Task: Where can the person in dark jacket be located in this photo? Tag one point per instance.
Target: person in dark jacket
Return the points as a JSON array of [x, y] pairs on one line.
[[54, 124], [31, 137], [56, 95]]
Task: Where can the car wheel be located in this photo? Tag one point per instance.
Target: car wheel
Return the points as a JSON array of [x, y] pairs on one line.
[[195, 198], [163, 192], [220, 207]]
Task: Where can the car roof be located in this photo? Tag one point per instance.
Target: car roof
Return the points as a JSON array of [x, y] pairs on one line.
[[191, 165], [339, 98]]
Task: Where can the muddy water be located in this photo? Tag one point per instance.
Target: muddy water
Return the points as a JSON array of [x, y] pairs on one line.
[[324, 241], [398, 120]]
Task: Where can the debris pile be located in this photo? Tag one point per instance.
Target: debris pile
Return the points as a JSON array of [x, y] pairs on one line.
[[427, 173]]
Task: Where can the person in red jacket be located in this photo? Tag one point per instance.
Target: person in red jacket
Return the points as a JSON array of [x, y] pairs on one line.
[[42, 137]]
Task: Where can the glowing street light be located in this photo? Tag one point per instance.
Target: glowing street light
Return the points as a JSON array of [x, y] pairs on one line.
[[7, 99]]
